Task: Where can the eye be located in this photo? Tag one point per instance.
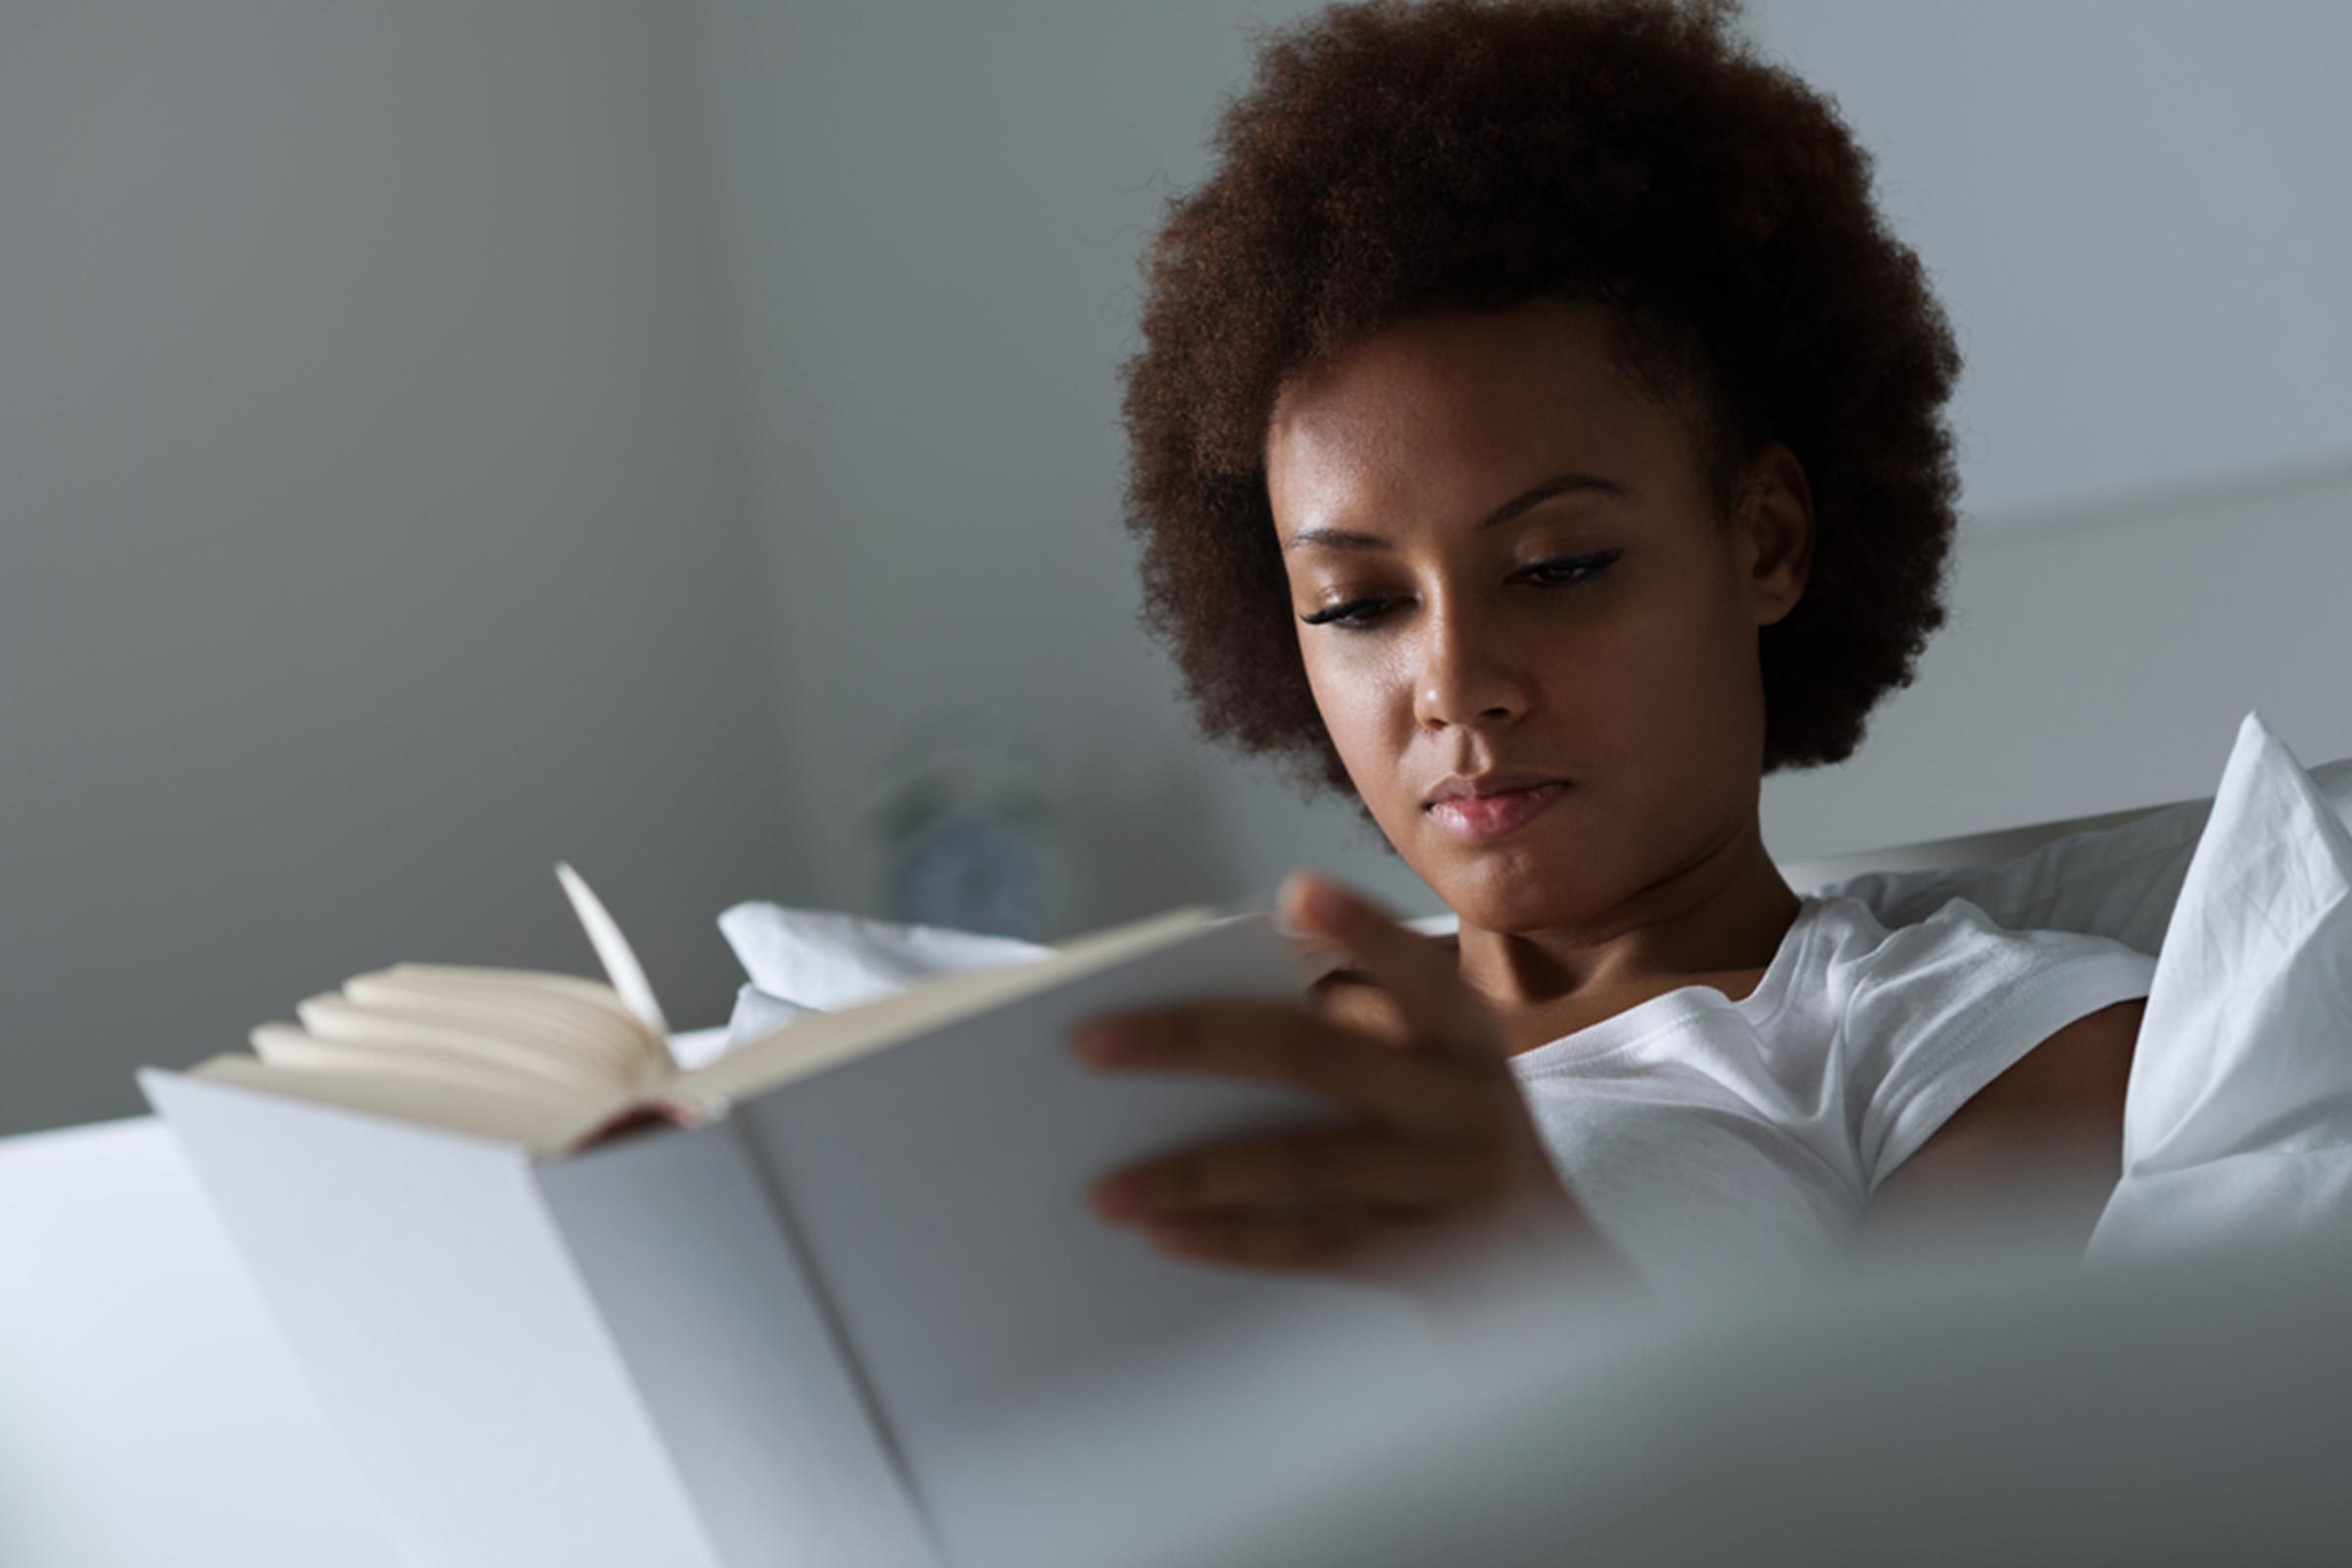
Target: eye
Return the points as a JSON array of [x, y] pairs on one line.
[[1360, 614], [1353, 615], [1570, 570]]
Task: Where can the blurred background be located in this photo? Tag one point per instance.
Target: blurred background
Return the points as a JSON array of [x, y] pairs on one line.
[[444, 436]]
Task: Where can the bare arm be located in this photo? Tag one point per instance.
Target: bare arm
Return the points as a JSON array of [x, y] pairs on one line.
[[2051, 1128]]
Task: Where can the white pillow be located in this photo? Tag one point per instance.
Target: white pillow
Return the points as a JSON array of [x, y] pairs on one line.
[[821, 960], [2237, 1124], [2119, 882]]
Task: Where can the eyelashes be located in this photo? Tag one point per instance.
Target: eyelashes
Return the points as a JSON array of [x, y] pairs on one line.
[[1573, 571]]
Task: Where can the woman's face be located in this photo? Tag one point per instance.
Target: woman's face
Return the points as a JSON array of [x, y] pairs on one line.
[[1503, 558]]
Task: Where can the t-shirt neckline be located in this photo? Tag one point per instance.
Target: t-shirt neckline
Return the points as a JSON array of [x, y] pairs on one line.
[[1647, 1016]]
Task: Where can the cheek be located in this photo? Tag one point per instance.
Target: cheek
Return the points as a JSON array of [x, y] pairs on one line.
[[1687, 709], [1710, 657], [1366, 708]]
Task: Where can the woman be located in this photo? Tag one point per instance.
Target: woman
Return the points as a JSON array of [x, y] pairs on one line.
[[1538, 435]]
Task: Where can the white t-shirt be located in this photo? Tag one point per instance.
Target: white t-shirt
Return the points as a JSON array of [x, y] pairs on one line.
[[1713, 1140]]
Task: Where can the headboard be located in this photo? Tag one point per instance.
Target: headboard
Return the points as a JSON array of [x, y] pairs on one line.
[[2334, 781], [1968, 849]]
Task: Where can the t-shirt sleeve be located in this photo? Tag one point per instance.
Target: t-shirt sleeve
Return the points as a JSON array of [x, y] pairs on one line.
[[1943, 1007]]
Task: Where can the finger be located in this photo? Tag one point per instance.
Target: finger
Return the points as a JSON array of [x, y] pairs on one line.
[[1287, 1241], [1438, 1009], [1361, 1006], [1345, 1166], [1285, 1043]]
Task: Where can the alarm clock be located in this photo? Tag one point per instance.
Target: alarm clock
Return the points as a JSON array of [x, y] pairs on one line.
[[969, 837]]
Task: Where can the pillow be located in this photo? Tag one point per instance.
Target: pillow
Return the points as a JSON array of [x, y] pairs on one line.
[[2120, 882], [2237, 1124], [821, 960]]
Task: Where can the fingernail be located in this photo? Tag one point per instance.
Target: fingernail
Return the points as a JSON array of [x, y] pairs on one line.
[[1106, 1041]]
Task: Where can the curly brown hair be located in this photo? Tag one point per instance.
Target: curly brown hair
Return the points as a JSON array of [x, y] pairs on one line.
[[1390, 160]]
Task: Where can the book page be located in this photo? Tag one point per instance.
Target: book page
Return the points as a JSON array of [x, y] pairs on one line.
[[561, 1005], [476, 1108], [546, 1060], [512, 1045], [286, 1046]]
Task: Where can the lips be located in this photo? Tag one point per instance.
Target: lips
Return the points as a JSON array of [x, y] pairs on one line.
[[1499, 782], [1476, 819]]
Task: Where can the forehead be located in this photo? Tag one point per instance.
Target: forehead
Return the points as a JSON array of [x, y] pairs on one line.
[[1461, 399]]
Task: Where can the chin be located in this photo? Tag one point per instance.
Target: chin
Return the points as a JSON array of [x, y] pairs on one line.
[[1487, 911], [1514, 886]]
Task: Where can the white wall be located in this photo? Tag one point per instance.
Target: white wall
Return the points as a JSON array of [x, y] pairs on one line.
[[932, 217], [2135, 213], [2135, 217], [370, 517], [2102, 659]]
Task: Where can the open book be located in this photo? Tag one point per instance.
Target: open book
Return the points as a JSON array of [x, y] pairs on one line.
[[554, 1062], [853, 1310]]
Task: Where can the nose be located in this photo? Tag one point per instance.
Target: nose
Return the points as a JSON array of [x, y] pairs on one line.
[[1465, 675]]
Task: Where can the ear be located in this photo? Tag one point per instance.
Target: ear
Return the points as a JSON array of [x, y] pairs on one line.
[[1775, 533]]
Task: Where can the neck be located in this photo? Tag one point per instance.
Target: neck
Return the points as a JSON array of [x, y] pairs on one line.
[[1724, 911]]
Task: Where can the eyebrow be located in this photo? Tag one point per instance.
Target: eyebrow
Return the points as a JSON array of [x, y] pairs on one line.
[[1559, 484]]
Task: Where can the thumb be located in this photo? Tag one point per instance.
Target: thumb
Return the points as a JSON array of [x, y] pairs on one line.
[[1418, 974]]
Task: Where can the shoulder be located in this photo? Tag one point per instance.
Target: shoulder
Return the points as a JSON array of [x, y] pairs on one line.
[[1957, 955], [1856, 931]]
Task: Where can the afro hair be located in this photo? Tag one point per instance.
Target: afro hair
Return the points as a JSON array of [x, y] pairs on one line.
[[1390, 160]]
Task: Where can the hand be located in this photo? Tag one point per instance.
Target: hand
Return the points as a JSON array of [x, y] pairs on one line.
[[1441, 1139]]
